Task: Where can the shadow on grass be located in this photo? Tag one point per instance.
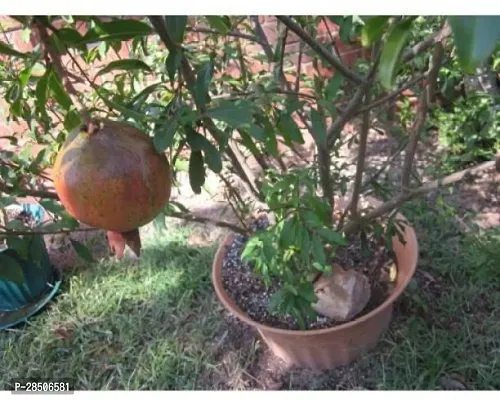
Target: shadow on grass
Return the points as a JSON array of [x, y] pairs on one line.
[[158, 325]]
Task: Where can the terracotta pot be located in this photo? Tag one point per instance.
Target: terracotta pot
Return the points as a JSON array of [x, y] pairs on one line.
[[330, 347]]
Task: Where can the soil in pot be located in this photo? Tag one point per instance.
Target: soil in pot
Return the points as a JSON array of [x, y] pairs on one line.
[[251, 295]]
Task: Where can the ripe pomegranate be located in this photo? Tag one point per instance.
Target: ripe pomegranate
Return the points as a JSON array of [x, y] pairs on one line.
[[109, 175]]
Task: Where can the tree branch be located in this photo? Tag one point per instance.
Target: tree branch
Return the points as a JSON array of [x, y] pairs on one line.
[[12, 232], [412, 144], [426, 44], [410, 194], [28, 192], [321, 50], [194, 218], [392, 95], [435, 65], [199, 29], [259, 32], [360, 165]]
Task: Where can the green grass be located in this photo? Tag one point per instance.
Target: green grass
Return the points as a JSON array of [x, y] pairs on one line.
[[157, 324], [142, 326]]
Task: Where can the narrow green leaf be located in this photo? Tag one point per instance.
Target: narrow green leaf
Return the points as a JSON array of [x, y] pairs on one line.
[[59, 92], [129, 64], [10, 269], [124, 110], [257, 132], [176, 26], [475, 39], [391, 52], [196, 171], [201, 143], [318, 127], [345, 29], [220, 23], [8, 50], [119, 29], [72, 120], [373, 30], [289, 129], [234, 114], [318, 251], [172, 63], [203, 79], [82, 251], [42, 92], [69, 36], [164, 135], [333, 86], [51, 206], [143, 95], [332, 237]]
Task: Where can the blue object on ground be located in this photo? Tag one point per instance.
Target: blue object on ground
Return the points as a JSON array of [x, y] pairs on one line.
[[19, 301]]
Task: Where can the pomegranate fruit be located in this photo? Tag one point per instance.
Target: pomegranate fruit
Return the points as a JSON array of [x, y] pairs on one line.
[[108, 175]]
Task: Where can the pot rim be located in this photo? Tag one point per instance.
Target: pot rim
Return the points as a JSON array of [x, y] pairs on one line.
[[231, 306]]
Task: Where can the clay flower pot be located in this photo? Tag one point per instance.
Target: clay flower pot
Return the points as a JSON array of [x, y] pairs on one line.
[[329, 347]]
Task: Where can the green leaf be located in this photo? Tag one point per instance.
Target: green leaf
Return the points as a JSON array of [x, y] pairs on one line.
[[164, 135], [318, 127], [203, 80], [221, 24], [234, 114], [10, 269], [42, 92], [37, 250], [6, 49], [287, 236], [345, 29], [129, 64], [119, 29], [318, 251], [248, 142], [332, 236], [70, 36], [72, 120], [143, 95], [176, 26], [373, 30], [306, 291], [391, 52], [124, 110], [289, 129], [333, 86], [7, 201], [201, 143], [51, 206], [257, 132], [475, 39], [173, 62], [59, 92], [82, 251], [20, 245], [196, 171]]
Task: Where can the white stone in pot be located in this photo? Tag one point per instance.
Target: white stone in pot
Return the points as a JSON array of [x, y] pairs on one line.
[[342, 295]]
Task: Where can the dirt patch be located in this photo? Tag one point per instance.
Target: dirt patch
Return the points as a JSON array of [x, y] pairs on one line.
[[252, 295]]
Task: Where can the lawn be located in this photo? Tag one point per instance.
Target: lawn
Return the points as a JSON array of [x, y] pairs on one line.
[[157, 324]]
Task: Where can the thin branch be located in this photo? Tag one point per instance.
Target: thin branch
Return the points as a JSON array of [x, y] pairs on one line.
[[299, 67], [11, 232], [259, 32], [426, 44], [360, 165], [396, 202], [321, 50], [28, 192], [189, 76], [392, 95], [194, 218], [412, 144], [435, 65], [199, 29]]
